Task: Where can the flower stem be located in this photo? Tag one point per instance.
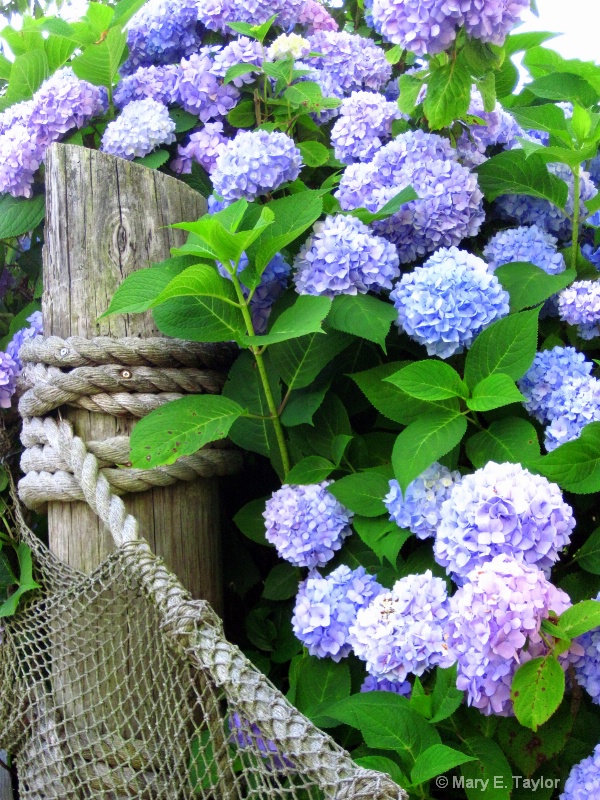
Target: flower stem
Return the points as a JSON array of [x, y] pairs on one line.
[[576, 203]]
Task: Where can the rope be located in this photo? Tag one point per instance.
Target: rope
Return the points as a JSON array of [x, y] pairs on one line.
[[139, 384]]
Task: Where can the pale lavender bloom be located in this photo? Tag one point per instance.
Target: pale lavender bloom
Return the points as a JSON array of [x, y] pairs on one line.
[[23, 335], [447, 302], [422, 26], [306, 524], [201, 92], [161, 32], [420, 509], [492, 20], [352, 61], [327, 607], [583, 782], [217, 14], [203, 146], [17, 114], [9, 371], [498, 128], [372, 684], [587, 666], [240, 51], [502, 509], [141, 126], [158, 83], [528, 243], [579, 304], [575, 405], [343, 257], [545, 377], [20, 158], [314, 17], [364, 124]]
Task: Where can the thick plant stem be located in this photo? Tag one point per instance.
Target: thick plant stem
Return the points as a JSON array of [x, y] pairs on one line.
[[576, 203]]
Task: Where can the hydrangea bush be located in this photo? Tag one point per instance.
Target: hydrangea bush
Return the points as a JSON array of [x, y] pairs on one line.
[[404, 244]]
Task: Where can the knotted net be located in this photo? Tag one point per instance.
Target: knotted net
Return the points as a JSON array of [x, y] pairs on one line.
[[117, 684]]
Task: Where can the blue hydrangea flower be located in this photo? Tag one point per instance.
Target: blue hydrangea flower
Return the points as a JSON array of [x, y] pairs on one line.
[[575, 405], [326, 608], [306, 524], [35, 328], [587, 666], [364, 123], [314, 17], [352, 61], [9, 371], [402, 631], [20, 158], [494, 627], [527, 243], [545, 377], [288, 45], [420, 510], [343, 257], [162, 32], [240, 51], [247, 735], [372, 684], [447, 302], [497, 127], [217, 14], [591, 253], [158, 83], [201, 92], [528, 210], [254, 163], [583, 782], [492, 20], [579, 304], [17, 114], [422, 26], [203, 146], [502, 509], [141, 126]]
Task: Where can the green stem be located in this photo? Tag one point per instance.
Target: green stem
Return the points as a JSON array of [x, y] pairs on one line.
[[576, 203]]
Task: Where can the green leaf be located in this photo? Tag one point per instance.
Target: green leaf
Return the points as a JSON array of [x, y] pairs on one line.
[[300, 360], [517, 42], [237, 70], [547, 117], [512, 440], [5, 68], [330, 422], [153, 160], [575, 466], [436, 760], [305, 316], [18, 215], [425, 441], [560, 154], [430, 380], [529, 285], [512, 172], [181, 428], [528, 750], [383, 764], [382, 535], [362, 315], [406, 195], [124, 11], [303, 405], [184, 121], [564, 86], [26, 582], [580, 618], [321, 682], [537, 690], [282, 582], [98, 17], [58, 50], [308, 95], [243, 115], [491, 770], [254, 31], [494, 391], [509, 345], [314, 154], [27, 74], [482, 58], [588, 555], [446, 698], [410, 88], [506, 79], [362, 492], [140, 289], [448, 94], [312, 469], [99, 63], [251, 522]]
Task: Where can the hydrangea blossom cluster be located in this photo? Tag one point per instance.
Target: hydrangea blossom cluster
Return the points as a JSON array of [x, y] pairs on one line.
[[527, 243], [365, 122], [141, 126], [314, 17], [402, 631], [288, 45], [8, 379], [430, 26], [502, 509], [373, 684], [306, 524], [545, 377], [201, 92], [217, 14], [17, 114], [587, 666], [419, 511], [240, 51], [344, 257], [447, 302], [162, 32], [203, 147], [575, 405], [254, 163], [351, 61], [327, 607], [527, 210], [20, 157], [583, 782], [498, 127], [158, 83], [579, 304], [247, 735], [494, 627], [449, 207]]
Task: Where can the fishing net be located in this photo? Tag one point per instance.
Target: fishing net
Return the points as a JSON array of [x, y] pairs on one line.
[[118, 684]]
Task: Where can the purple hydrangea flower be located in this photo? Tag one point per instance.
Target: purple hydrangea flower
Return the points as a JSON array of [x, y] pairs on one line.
[[545, 377], [9, 370], [372, 684], [502, 509], [203, 146], [587, 666], [201, 92], [254, 163], [447, 302], [575, 405], [327, 607], [419, 511], [288, 45], [17, 114], [306, 524], [352, 61], [35, 328], [494, 627], [492, 20], [527, 210], [247, 735], [402, 631], [579, 304], [217, 14], [141, 126], [583, 782], [365, 122], [314, 17], [344, 257], [422, 26], [499, 126], [162, 32], [158, 83], [528, 243], [241, 51], [20, 158]]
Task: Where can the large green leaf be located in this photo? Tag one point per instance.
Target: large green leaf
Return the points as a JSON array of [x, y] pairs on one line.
[[512, 440], [495, 391], [565, 86], [537, 690], [19, 216], [139, 290], [580, 618], [588, 556], [429, 380], [491, 769], [547, 117], [304, 317], [27, 74], [300, 360], [99, 63], [320, 683], [529, 285], [362, 492], [512, 172], [575, 466], [436, 760], [362, 315], [448, 94]]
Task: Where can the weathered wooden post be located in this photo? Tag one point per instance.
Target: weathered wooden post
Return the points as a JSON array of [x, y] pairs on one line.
[[105, 219]]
